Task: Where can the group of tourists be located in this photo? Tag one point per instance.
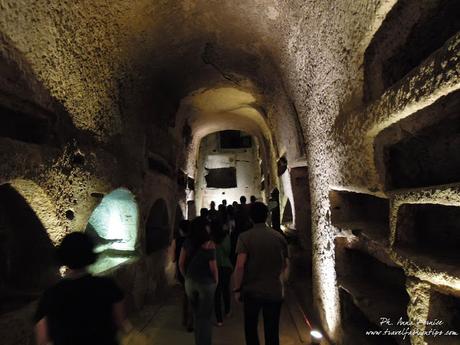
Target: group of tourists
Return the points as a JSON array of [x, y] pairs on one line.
[[229, 244], [232, 241]]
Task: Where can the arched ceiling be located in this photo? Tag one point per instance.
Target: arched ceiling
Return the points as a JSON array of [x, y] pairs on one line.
[[92, 53], [226, 107], [105, 61], [221, 108]]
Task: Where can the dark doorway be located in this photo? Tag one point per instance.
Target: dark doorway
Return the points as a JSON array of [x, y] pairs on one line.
[[234, 140], [287, 213], [27, 264], [157, 229]]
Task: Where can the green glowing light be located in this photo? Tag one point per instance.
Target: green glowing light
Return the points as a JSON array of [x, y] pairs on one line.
[[113, 227]]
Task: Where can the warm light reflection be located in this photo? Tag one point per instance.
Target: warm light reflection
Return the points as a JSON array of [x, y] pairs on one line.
[[316, 335], [326, 278], [63, 271], [329, 294]]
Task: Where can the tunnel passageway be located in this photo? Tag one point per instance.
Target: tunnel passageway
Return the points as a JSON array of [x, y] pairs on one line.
[[122, 118]]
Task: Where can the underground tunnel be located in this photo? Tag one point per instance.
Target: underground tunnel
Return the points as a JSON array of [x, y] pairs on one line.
[[121, 119]]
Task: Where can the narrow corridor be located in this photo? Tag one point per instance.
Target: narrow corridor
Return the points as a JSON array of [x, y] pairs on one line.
[[162, 323], [121, 119]]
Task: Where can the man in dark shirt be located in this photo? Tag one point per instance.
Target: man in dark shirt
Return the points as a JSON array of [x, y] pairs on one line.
[[81, 309], [261, 262]]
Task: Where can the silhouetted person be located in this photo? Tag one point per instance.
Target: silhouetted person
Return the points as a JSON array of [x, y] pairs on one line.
[[253, 199], [262, 259], [204, 213], [225, 267], [224, 202], [212, 210], [231, 219], [222, 217], [242, 223], [81, 309], [243, 215], [198, 264], [184, 231], [275, 210], [243, 218]]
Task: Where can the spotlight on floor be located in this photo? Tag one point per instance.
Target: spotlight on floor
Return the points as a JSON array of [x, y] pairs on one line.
[[316, 337]]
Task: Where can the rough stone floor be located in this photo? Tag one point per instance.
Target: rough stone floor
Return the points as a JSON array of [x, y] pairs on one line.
[[162, 323]]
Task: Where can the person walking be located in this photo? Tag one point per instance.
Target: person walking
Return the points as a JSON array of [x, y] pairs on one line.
[[212, 210], [242, 223], [197, 263], [231, 219], [262, 258], [184, 231], [222, 241], [274, 207], [81, 309]]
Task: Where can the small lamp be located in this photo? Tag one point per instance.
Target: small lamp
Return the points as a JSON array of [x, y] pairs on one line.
[[316, 337]]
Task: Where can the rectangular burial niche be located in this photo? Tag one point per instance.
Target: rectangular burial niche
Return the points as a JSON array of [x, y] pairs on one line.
[[232, 139], [443, 315], [410, 33], [24, 127], [355, 324], [431, 231], [159, 165], [364, 214], [221, 178], [423, 149], [376, 289]]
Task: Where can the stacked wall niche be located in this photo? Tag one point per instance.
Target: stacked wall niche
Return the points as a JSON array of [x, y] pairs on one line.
[[410, 33], [418, 158], [370, 290], [443, 315], [419, 162], [371, 284], [363, 214], [422, 150], [429, 234], [355, 324]]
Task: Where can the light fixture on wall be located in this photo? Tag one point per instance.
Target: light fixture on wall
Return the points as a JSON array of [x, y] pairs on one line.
[[316, 337]]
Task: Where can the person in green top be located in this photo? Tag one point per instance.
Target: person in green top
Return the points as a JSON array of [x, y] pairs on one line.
[[223, 249]]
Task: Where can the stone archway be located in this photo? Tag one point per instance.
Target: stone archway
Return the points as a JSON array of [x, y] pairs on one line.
[[43, 207], [113, 227], [27, 261], [157, 229]]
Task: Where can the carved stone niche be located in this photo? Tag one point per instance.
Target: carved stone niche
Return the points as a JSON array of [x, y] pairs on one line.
[[370, 291], [410, 33], [430, 233], [422, 150], [443, 315], [362, 213]]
